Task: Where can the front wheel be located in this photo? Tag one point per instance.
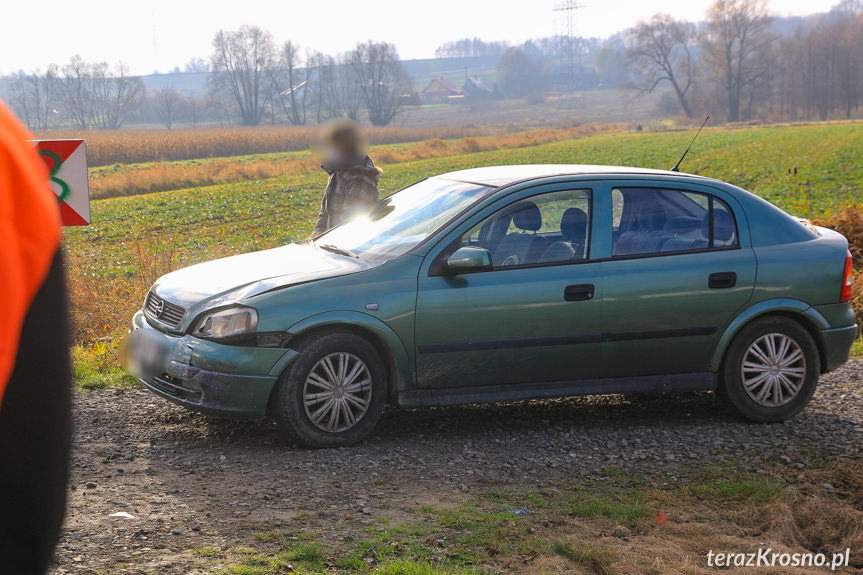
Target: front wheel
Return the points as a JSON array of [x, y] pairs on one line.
[[334, 392], [771, 370]]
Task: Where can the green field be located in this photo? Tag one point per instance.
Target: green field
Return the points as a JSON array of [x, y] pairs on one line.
[[135, 239], [259, 214]]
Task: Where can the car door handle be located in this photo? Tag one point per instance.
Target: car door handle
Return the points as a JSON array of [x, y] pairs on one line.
[[722, 280], [580, 292]]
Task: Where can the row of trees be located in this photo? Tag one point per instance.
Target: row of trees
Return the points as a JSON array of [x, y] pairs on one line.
[[91, 95], [738, 68], [249, 77], [739, 64]]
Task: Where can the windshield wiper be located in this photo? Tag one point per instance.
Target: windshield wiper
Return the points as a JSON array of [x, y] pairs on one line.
[[338, 250]]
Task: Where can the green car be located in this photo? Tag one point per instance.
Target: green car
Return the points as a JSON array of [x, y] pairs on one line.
[[502, 284]]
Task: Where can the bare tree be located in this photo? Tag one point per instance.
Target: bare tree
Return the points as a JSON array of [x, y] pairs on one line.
[[381, 79], [736, 45], [849, 7], [115, 96], [75, 92], [470, 47], [33, 97], [94, 96], [324, 90], [290, 82], [350, 91], [196, 66], [609, 66], [657, 52], [241, 69], [196, 108], [168, 104]]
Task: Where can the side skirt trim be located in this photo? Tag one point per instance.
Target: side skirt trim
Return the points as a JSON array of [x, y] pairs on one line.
[[704, 381]]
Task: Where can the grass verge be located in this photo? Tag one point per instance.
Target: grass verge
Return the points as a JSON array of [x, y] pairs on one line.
[[611, 526]]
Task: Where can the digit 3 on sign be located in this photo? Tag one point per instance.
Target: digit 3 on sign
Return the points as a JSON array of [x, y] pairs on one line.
[[55, 168]]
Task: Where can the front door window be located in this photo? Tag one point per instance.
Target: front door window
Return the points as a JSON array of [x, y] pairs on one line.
[[551, 228]]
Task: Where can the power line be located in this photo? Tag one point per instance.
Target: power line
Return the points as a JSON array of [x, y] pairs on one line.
[[569, 53]]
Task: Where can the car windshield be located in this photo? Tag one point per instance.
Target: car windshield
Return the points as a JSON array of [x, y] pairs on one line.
[[402, 220]]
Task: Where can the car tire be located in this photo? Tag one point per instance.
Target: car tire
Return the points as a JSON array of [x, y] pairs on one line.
[[771, 370], [333, 394]]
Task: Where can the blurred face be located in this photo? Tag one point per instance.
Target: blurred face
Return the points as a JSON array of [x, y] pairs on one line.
[[336, 152]]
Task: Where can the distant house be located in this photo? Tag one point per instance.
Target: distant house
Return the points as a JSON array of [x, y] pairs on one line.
[[475, 88], [441, 90]]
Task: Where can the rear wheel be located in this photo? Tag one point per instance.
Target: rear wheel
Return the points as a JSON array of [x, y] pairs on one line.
[[333, 393], [771, 370]]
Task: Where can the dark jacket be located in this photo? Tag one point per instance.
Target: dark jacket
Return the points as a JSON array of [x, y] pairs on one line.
[[350, 190]]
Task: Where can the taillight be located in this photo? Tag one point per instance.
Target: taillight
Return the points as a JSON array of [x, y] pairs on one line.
[[847, 280]]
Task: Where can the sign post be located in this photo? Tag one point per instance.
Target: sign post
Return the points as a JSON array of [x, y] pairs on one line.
[[67, 164]]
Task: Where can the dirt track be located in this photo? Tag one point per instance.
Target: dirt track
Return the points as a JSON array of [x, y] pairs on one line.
[[191, 482]]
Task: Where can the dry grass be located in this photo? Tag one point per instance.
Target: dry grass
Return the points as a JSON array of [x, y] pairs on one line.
[[135, 146], [436, 147], [146, 178], [101, 307], [799, 519], [849, 223]]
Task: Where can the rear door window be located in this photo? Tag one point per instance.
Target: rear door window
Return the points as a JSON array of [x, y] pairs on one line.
[[657, 221]]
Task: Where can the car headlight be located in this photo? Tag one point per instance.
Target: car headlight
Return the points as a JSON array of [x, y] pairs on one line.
[[226, 322]]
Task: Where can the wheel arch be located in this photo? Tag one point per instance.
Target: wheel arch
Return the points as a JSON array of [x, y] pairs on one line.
[[385, 341], [796, 310]]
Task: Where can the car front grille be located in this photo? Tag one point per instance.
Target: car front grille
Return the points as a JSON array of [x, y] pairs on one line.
[[163, 311]]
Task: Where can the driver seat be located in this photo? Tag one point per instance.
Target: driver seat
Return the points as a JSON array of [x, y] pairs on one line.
[[573, 228], [515, 247]]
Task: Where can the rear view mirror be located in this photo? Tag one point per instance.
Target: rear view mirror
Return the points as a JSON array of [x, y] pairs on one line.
[[468, 259]]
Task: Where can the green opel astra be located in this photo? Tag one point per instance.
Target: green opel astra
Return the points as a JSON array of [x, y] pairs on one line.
[[502, 284]]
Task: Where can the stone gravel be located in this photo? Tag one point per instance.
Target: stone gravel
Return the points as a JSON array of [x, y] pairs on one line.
[[176, 481]]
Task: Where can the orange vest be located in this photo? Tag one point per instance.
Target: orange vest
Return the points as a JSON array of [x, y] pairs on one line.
[[29, 233]]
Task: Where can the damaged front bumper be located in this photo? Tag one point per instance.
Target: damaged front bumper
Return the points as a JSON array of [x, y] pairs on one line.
[[212, 378]]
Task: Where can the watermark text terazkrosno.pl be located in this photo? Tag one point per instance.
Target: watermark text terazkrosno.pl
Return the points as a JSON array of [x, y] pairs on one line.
[[766, 557]]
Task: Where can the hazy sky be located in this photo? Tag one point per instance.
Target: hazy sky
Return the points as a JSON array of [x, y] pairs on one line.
[[160, 34]]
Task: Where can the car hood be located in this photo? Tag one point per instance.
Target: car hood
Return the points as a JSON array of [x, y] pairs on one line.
[[226, 280]]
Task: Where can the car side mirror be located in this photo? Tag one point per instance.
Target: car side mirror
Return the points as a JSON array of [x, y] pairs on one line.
[[469, 259]]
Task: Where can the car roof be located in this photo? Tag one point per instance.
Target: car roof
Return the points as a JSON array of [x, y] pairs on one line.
[[497, 176]]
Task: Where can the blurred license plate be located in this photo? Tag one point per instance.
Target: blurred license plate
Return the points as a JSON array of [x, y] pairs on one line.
[[144, 353]]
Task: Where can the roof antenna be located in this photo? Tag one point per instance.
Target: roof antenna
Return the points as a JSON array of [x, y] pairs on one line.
[[676, 167]]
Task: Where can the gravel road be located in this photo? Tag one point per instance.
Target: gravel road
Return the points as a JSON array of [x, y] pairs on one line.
[[189, 481]]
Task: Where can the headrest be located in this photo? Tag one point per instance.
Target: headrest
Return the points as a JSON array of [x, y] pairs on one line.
[[683, 225], [723, 226], [526, 216], [654, 220], [573, 224]]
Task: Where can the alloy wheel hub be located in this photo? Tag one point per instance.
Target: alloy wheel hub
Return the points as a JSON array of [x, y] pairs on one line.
[[337, 392], [773, 370]]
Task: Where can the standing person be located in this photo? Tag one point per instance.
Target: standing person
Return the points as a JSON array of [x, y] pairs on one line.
[[34, 358], [353, 185]]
